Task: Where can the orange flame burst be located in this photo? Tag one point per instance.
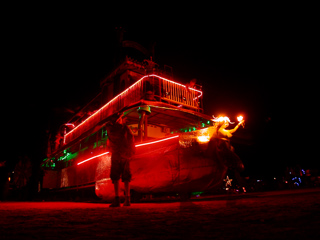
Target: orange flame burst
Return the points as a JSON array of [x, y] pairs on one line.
[[240, 118], [203, 139], [221, 119], [203, 136]]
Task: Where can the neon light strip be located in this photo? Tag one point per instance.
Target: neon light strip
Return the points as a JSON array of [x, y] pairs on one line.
[[152, 75], [198, 96], [138, 145], [148, 143], [107, 104], [92, 158]]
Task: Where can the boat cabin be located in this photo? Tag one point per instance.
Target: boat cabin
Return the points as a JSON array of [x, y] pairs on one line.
[[154, 105]]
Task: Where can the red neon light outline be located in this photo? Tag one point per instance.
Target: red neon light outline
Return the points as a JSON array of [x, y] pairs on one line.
[[92, 158], [152, 75], [161, 140], [138, 145], [107, 104]]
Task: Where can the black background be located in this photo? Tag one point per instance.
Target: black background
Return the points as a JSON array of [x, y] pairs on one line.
[[254, 60]]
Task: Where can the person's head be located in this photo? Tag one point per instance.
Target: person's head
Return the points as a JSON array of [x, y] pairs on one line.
[[193, 82], [225, 124], [121, 118], [117, 118], [222, 122]]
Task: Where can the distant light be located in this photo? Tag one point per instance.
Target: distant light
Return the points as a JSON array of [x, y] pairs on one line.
[[228, 182]]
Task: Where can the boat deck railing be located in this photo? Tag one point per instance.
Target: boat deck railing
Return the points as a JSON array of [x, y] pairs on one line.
[[149, 87]]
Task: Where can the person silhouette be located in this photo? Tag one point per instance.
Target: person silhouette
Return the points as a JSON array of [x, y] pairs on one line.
[[234, 163], [122, 147]]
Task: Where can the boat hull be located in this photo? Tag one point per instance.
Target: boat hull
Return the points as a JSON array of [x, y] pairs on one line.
[[169, 167], [176, 165]]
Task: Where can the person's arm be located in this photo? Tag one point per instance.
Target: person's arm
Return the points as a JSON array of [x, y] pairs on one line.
[[225, 133], [236, 127], [130, 140]]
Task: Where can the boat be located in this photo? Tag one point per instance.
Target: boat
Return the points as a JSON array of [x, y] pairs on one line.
[[174, 151]]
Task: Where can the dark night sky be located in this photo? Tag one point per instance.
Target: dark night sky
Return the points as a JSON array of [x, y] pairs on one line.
[[247, 62]]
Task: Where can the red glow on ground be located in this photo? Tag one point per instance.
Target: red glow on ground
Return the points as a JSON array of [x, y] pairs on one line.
[[292, 214]]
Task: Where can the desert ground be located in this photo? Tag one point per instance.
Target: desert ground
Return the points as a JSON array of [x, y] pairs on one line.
[[289, 214]]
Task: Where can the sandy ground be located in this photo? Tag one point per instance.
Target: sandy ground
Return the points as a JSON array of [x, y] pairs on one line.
[[292, 214]]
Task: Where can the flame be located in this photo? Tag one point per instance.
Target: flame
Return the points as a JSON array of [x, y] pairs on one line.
[[203, 136], [240, 118], [203, 139]]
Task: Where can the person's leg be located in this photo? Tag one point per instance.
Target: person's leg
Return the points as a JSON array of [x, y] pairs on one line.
[[127, 193], [115, 176], [127, 188], [116, 201], [116, 188], [126, 178]]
